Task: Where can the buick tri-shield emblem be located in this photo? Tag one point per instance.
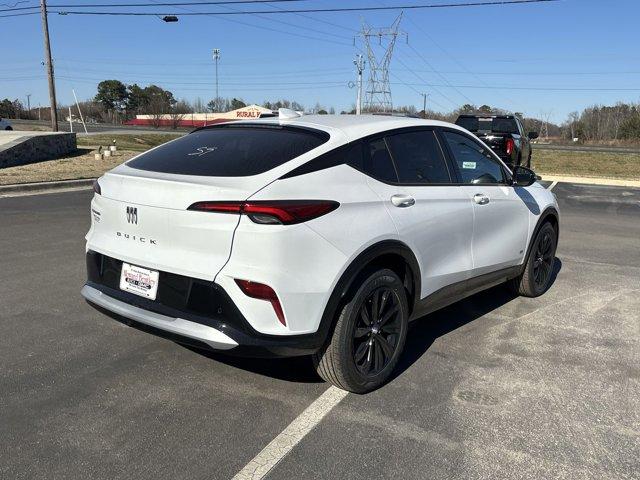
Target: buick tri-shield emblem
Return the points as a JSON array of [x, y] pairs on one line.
[[132, 215]]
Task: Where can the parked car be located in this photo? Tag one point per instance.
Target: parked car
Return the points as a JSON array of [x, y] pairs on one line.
[[5, 125], [313, 235], [505, 135]]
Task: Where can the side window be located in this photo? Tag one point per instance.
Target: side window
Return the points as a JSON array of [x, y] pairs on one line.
[[418, 158], [476, 165], [378, 163]]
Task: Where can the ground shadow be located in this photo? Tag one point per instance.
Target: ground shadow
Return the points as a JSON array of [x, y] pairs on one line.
[[422, 333], [290, 369]]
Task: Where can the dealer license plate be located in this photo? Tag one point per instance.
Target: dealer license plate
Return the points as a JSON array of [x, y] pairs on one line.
[[138, 280]]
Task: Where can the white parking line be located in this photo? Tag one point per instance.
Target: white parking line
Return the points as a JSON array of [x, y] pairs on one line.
[[552, 185], [280, 446]]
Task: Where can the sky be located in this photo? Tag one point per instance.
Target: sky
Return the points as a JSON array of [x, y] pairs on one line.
[[545, 60]]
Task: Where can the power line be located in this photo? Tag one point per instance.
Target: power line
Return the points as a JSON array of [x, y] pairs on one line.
[[264, 27], [172, 4], [425, 83], [542, 89], [311, 10], [19, 14], [440, 74]]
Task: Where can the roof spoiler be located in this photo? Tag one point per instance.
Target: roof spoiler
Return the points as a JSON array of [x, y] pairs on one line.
[[283, 113]]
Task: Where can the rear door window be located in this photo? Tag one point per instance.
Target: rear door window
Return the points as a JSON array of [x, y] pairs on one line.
[[230, 151], [418, 158], [377, 162]]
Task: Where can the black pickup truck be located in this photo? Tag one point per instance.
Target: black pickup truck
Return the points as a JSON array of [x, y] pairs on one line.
[[504, 134]]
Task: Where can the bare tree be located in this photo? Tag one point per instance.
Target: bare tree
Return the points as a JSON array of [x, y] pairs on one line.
[[178, 112]]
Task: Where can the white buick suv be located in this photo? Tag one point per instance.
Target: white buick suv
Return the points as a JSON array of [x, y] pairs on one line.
[[313, 235]]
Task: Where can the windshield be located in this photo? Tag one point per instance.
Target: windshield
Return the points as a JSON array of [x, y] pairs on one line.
[[488, 124]]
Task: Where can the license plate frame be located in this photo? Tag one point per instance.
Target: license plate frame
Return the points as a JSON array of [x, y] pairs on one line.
[[139, 280]]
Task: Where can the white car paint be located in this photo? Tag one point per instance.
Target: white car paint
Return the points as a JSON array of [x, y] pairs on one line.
[[452, 237]]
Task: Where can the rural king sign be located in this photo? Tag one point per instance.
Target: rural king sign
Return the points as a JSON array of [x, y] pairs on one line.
[[248, 112]]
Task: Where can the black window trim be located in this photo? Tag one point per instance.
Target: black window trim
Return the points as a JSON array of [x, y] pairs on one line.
[[396, 131], [454, 171], [505, 171]]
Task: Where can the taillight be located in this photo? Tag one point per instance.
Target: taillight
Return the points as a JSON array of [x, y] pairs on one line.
[[262, 292], [510, 145], [96, 187], [276, 212]]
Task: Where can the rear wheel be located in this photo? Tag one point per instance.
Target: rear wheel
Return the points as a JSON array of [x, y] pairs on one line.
[[537, 274], [369, 335], [9, 128]]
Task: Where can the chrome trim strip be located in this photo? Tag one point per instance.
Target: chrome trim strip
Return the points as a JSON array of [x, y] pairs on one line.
[[214, 338]]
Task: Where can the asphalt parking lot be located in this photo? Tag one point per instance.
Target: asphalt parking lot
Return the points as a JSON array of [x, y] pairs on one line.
[[492, 387]]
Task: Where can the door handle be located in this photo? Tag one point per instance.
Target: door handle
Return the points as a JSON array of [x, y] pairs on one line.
[[402, 201], [481, 199]]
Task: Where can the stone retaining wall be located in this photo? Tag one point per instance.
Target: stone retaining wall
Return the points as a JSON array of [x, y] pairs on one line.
[[34, 147]]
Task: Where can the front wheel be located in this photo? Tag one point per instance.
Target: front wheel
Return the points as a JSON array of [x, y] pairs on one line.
[[369, 335], [537, 274]]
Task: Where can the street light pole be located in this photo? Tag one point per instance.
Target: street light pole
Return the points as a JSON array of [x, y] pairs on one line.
[[47, 52], [359, 63], [216, 57]]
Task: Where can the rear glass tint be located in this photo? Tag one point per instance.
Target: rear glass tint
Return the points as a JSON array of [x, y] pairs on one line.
[[488, 124], [230, 151]]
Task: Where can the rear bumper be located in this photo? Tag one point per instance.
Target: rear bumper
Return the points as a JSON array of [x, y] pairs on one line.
[[178, 326], [188, 311]]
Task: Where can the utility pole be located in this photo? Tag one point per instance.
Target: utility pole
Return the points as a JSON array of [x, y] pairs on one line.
[[29, 105], [216, 57], [47, 52], [424, 104], [359, 63]]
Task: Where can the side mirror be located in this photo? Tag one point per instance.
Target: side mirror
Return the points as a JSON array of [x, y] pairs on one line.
[[523, 176], [532, 135]]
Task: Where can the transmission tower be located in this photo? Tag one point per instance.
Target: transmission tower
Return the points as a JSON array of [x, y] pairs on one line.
[[377, 97]]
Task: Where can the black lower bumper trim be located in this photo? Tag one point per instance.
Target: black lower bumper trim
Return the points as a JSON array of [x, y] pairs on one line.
[[214, 308]]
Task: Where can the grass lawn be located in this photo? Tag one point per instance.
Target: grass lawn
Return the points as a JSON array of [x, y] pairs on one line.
[[587, 164], [134, 142], [82, 164]]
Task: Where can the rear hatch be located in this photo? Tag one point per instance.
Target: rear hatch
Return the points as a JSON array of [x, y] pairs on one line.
[[142, 215]]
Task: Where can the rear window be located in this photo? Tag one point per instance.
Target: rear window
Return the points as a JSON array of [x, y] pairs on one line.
[[230, 151], [488, 124]]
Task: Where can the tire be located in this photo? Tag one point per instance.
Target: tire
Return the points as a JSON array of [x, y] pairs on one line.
[[9, 128], [360, 356], [537, 274]]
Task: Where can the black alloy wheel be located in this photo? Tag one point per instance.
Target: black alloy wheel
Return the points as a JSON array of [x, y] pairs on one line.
[[376, 331], [369, 334], [543, 260]]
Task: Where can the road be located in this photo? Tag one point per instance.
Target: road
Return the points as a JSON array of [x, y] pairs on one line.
[[586, 148], [492, 387]]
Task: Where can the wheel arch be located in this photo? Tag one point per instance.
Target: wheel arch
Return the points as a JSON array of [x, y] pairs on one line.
[[392, 254], [551, 215]]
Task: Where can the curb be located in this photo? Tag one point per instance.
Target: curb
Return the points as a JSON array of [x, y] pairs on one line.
[[612, 182], [23, 188]]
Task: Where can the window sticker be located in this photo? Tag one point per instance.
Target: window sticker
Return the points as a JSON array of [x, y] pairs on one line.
[[469, 165]]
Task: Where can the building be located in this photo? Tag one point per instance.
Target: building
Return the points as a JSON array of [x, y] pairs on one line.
[[199, 119]]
